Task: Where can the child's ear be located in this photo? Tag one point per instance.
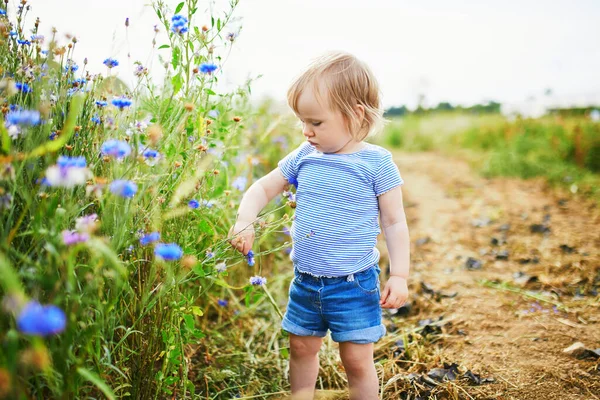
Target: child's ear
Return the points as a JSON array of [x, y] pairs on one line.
[[359, 110]]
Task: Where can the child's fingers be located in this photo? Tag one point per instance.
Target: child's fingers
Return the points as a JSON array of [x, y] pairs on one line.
[[384, 295]]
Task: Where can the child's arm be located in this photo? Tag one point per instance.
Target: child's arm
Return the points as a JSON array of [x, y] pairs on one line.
[[393, 222], [255, 199]]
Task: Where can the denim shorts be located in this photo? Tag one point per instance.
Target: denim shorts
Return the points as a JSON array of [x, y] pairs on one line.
[[347, 305]]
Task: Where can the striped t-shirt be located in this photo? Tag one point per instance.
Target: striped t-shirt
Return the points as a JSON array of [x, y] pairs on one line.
[[336, 224]]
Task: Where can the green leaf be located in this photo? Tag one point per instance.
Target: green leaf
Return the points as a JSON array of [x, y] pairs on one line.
[[5, 138], [219, 24], [159, 14], [198, 270], [205, 227], [177, 82], [175, 57], [197, 311], [164, 46], [95, 379], [210, 92], [212, 21], [179, 7], [189, 322]]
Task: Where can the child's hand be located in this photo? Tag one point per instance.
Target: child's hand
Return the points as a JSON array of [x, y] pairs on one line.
[[395, 293], [242, 234]]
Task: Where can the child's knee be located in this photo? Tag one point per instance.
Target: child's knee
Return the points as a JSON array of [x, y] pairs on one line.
[[357, 358], [304, 346]]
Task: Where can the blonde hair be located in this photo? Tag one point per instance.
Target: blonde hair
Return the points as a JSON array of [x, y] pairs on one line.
[[348, 82]]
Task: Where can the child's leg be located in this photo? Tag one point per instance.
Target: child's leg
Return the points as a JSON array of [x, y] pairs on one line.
[[304, 365], [360, 368]]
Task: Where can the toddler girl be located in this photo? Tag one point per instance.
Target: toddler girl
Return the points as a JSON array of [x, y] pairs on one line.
[[343, 185]]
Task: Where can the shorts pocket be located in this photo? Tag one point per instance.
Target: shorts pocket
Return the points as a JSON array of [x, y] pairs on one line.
[[367, 281]]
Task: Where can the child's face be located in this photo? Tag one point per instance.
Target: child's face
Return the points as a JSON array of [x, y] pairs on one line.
[[324, 128]]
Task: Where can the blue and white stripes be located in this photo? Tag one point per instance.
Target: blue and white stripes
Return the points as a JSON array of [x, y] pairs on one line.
[[336, 222]]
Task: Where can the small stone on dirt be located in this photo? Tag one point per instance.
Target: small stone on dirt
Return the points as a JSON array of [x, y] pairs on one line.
[[473, 263], [539, 228]]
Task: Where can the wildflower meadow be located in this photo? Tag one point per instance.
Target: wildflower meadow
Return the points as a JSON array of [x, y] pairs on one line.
[[118, 279], [115, 204]]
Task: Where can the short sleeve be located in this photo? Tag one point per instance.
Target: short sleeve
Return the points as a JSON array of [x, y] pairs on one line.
[[388, 175], [289, 164]]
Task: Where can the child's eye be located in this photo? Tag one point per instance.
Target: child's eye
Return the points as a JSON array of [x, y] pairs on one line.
[[316, 123]]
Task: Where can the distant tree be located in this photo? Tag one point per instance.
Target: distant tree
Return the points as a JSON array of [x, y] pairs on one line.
[[444, 106], [396, 111]]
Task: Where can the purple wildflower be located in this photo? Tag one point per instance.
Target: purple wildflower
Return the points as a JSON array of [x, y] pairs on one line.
[[73, 237], [258, 280]]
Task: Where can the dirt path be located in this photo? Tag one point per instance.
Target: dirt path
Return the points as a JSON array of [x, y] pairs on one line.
[[515, 339]]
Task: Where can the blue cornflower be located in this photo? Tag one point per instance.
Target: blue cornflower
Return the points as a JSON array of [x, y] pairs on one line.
[[123, 188], [168, 252], [293, 181], [39, 320], [258, 280], [115, 148], [53, 135], [68, 172], [110, 62], [71, 66], [121, 102], [23, 117], [194, 204], [207, 68], [13, 33], [179, 24], [71, 162], [78, 82], [23, 87], [222, 302], [149, 238], [150, 153], [209, 254], [240, 183], [2, 12], [101, 103], [213, 113], [96, 119], [23, 42], [231, 36], [250, 258]]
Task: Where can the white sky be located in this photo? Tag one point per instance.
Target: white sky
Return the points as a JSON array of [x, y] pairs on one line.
[[458, 51]]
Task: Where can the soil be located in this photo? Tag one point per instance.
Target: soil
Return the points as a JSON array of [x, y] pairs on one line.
[[509, 336]]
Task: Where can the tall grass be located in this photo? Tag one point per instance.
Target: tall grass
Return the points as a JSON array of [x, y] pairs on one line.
[[564, 150]]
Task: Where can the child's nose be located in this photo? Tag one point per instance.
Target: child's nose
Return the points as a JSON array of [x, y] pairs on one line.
[[306, 131]]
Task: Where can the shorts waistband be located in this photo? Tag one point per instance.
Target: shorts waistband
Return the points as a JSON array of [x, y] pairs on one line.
[[330, 279]]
